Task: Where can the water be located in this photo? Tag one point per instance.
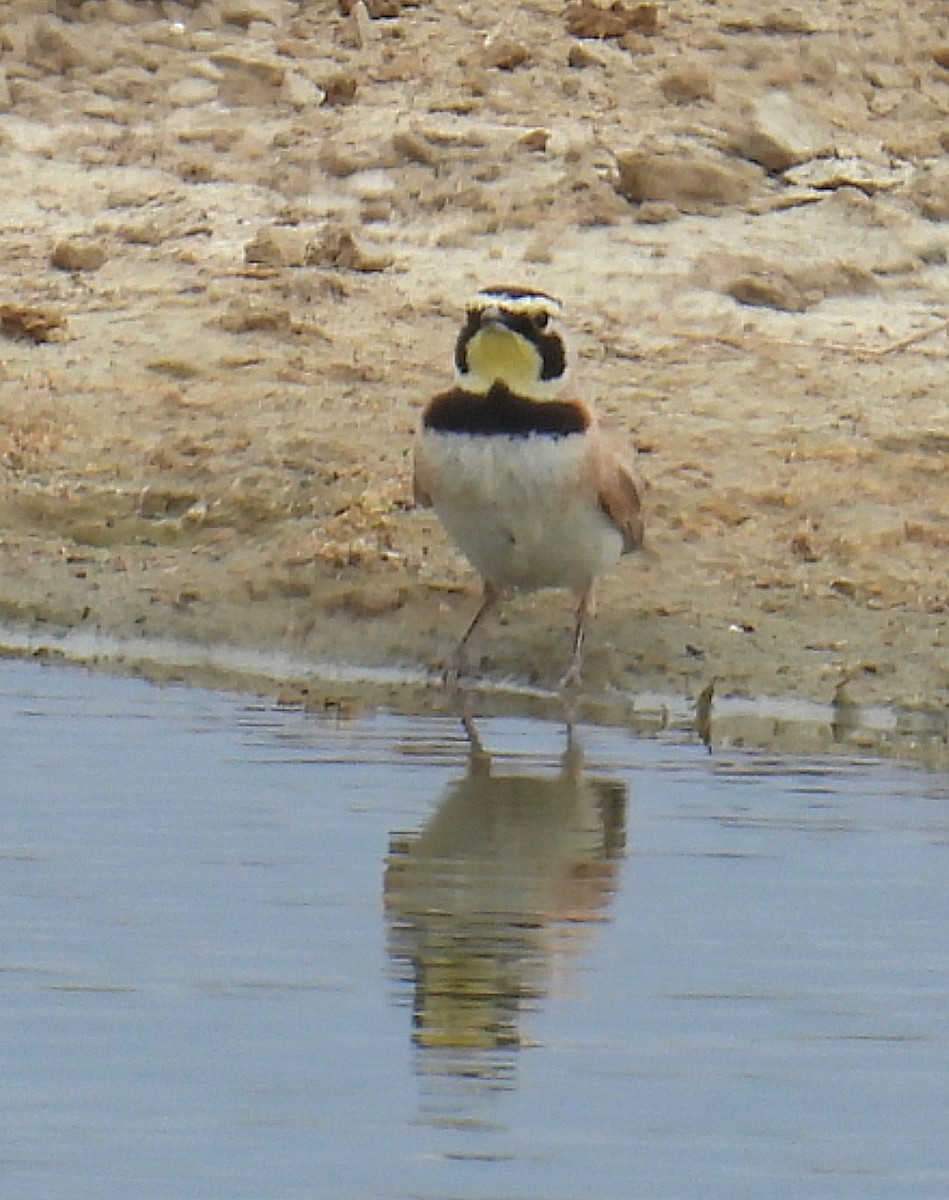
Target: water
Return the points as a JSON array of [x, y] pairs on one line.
[[249, 952]]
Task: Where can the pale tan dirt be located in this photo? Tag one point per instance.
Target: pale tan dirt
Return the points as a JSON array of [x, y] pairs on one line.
[[236, 241]]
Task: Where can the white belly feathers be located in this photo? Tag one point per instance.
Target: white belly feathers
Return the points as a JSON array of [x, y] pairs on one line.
[[521, 508]]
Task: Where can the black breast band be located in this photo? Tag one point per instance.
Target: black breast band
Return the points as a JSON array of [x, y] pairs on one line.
[[499, 411]]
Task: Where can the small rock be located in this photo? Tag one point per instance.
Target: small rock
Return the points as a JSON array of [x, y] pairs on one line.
[[656, 212], [831, 173], [779, 134], [890, 76], [184, 93], [587, 19], [248, 78], [686, 83], [103, 108], [130, 196], [31, 324], [338, 248], [142, 233], [78, 254], [580, 57], [785, 286], [301, 92], [256, 317], [277, 246], [57, 48], [339, 89], [375, 8], [535, 139], [361, 27], [941, 56], [773, 21], [693, 181], [375, 211], [505, 54], [123, 12], [415, 147], [636, 43], [772, 290], [246, 12]]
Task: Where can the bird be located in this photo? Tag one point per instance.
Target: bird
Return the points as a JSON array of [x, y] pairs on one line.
[[529, 485]]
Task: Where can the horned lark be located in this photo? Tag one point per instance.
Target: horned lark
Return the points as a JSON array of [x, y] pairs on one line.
[[527, 483]]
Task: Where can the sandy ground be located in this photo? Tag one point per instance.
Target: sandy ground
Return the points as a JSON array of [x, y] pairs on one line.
[[236, 241]]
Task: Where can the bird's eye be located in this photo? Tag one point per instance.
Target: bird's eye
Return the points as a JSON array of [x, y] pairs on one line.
[[541, 320]]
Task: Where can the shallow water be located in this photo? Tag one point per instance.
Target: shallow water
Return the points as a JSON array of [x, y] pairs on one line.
[[252, 952]]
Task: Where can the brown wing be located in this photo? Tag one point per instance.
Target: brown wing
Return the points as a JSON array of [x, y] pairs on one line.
[[619, 489], [420, 491]]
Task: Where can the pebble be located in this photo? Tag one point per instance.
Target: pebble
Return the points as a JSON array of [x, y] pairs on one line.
[[30, 323], [413, 146], [694, 180], [78, 254], [301, 92], [772, 290], [246, 12], [687, 83], [780, 134], [362, 31], [278, 246], [338, 247], [58, 48], [580, 57], [184, 93], [339, 89], [122, 12], [831, 173], [505, 54], [656, 212], [248, 78], [585, 18], [103, 108]]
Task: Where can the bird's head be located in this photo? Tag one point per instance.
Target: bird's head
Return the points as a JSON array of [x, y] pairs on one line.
[[511, 336]]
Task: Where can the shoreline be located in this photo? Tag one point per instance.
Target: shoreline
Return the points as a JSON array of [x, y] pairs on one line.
[[753, 724]]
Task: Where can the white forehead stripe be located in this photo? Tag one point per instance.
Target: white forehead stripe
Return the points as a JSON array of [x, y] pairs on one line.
[[530, 302]]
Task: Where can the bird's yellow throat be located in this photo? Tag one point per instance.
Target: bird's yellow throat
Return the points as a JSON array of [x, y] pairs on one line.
[[498, 354]]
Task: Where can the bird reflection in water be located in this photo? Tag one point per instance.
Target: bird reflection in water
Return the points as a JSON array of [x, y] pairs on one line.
[[492, 898]]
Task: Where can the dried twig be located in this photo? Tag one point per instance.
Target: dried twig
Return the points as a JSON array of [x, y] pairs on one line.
[[757, 340], [904, 343]]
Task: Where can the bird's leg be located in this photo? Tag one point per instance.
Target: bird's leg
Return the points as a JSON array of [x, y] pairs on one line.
[[458, 665], [586, 609], [479, 759]]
